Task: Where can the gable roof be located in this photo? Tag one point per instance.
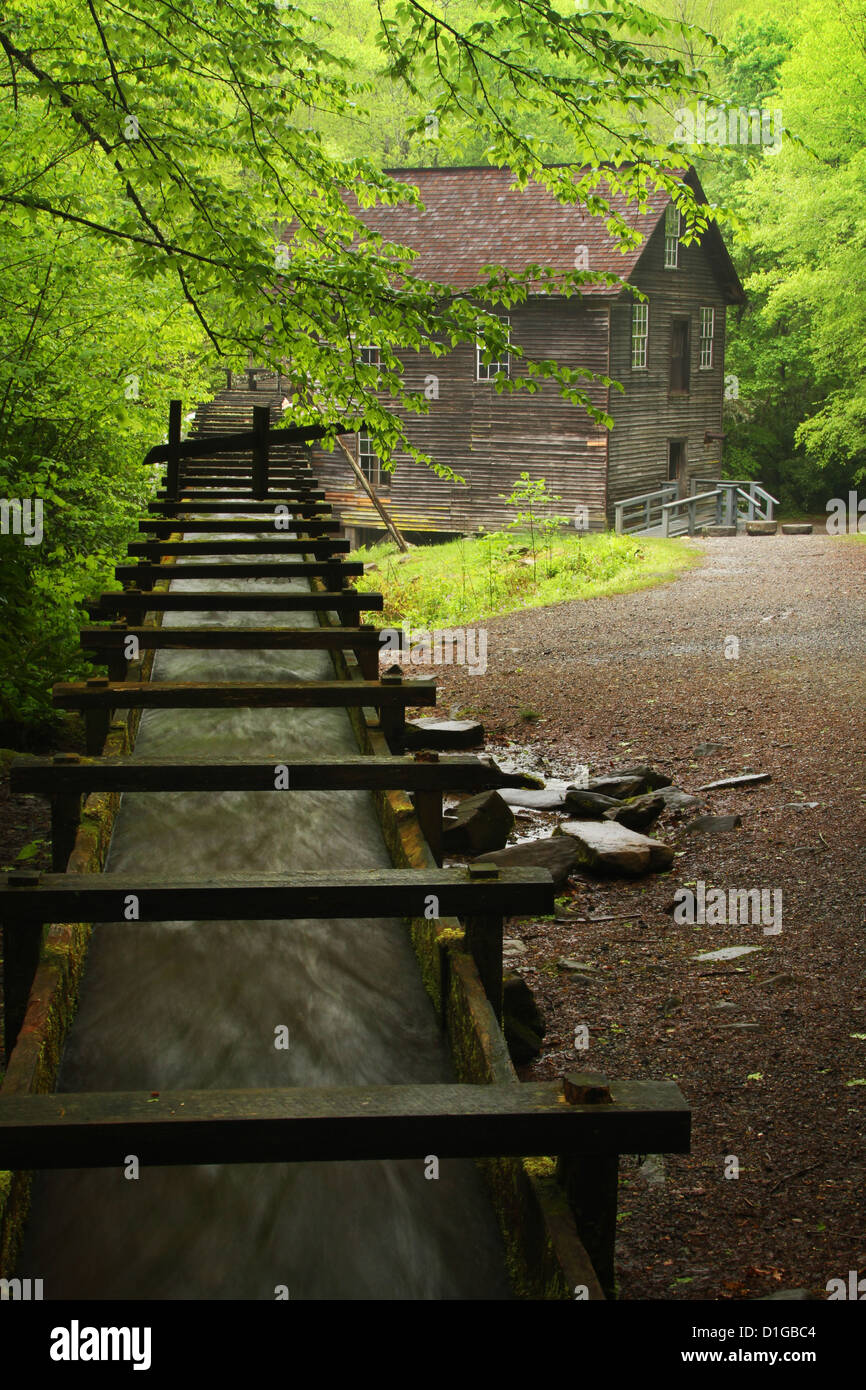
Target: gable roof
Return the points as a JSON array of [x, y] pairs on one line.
[[473, 217]]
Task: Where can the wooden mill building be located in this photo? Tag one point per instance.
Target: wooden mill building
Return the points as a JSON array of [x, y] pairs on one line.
[[668, 352]]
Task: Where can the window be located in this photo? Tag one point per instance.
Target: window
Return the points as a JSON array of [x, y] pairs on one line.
[[672, 237], [368, 460], [370, 356], [639, 335], [486, 371], [679, 383], [708, 319]]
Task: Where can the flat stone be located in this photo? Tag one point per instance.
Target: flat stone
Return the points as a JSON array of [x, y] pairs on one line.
[[677, 800], [704, 750], [761, 528], [617, 785], [569, 965], [611, 847], [712, 825], [727, 953], [748, 779], [650, 776], [443, 733], [545, 800], [480, 823], [638, 813], [513, 946], [796, 528], [740, 1027], [591, 805], [719, 531], [557, 854]]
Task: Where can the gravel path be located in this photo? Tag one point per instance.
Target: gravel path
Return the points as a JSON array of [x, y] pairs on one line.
[[766, 1046]]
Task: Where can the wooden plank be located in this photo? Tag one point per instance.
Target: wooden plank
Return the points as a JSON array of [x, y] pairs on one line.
[[242, 525], [234, 638], [465, 772], [107, 694], [351, 893], [256, 569], [254, 507], [20, 947], [214, 492], [148, 600], [334, 1123], [273, 545]]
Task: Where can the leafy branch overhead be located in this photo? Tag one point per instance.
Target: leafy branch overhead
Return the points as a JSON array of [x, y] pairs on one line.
[[196, 145]]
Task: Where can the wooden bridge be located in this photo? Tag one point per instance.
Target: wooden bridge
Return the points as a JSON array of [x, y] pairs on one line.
[[252, 482], [710, 502]]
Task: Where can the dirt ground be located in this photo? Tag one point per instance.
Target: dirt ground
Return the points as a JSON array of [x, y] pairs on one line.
[[768, 1048]]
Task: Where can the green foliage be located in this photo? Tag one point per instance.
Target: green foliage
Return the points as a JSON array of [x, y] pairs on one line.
[[462, 581]]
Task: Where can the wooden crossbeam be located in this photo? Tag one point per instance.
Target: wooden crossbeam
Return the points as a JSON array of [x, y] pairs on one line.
[[274, 545], [337, 1123], [347, 894], [233, 638], [105, 694], [109, 644], [174, 601], [97, 698], [460, 772], [331, 570], [282, 490], [241, 525], [242, 508]]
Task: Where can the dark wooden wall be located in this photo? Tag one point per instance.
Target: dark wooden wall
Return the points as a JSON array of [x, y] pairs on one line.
[[489, 439], [647, 416]]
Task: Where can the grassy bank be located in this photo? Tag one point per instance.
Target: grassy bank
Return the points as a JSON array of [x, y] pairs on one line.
[[481, 577]]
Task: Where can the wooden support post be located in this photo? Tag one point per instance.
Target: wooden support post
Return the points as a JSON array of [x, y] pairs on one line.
[[96, 722], [65, 819], [261, 428], [173, 462], [392, 718], [591, 1185], [484, 941], [428, 809], [118, 666], [21, 943]]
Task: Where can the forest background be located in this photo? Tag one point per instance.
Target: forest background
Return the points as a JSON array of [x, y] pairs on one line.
[[148, 152]]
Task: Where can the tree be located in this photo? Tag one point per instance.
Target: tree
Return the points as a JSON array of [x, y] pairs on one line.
[[153, 159]]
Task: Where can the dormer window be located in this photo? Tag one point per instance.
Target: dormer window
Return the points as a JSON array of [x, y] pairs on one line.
[[672, 237]]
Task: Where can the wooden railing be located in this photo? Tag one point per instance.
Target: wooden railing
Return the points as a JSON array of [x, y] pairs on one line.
[[646, 510]]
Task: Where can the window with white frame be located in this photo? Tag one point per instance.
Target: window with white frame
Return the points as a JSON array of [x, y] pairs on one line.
[[639, 335], [708, 324], [486, 371], [672, 237], [368, 460], [370, 355]]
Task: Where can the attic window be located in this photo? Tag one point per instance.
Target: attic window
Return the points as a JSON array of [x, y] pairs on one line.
[[672, 237], [486, 371]]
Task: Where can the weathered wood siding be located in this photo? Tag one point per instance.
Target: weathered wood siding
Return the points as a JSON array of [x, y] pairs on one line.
[[488, 438], [647, 416]]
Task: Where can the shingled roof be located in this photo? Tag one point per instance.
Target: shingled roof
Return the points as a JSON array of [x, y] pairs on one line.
[[472, 217]]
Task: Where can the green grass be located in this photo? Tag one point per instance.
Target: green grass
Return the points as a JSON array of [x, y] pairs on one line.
[[481, 577]]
